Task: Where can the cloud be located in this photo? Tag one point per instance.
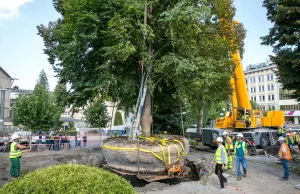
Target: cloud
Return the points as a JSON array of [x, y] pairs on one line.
[[10, 8]]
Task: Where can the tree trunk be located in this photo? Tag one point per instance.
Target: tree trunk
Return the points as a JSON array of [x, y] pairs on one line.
[[146, 119], [200, 117]]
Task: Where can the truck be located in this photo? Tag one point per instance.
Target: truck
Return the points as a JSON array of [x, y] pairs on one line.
[[259, 130]]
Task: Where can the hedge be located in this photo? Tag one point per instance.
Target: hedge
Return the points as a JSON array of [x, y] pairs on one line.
[[68, 178], [118, 119]]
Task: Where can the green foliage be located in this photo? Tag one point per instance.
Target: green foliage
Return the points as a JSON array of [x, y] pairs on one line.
[[68, 178], [96, 114], [71, 127], [102, 45], [36, 110], [43, 80], [254, 105], [284, 38], [211, 111], [118, 119], [61, 95]]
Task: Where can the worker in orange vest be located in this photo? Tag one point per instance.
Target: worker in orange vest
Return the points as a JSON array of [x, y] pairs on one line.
[[284, 156]]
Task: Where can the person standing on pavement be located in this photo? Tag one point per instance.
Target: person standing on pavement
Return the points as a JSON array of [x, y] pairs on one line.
[[15, 155], [229, 149], [84, 139], [284, 156], [289, 141], [6, 141], [221, 161], [240, 150], [297, 139]]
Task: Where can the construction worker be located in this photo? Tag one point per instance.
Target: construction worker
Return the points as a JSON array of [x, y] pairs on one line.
[[221, 161], [280, 131], [115, 134], [297, 139], [240, 150], [289, 141], [291, 133], [15, 155], [284, 156], [248, 120], [229, 149]]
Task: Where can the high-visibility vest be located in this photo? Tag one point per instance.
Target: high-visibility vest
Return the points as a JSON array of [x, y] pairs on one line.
[[226, 145], [280, 130], [297, 136], [288, 155], [115, 135], [287, 140], [247, 118], [218, 156], [14, 152], [243, 146]]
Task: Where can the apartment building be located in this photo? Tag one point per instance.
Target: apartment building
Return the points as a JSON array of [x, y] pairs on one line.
[[5, 85], [264, 89]]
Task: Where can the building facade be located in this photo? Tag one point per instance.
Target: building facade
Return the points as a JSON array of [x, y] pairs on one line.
[[5, 87], [264, 89]]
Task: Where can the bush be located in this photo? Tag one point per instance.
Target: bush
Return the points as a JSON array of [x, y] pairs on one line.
[[118, 119], [68, 178]]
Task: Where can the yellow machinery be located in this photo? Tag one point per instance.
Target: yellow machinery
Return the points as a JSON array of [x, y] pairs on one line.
[[242, 116]]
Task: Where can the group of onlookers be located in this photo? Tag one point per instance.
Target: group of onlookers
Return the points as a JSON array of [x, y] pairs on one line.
[[52, 141]]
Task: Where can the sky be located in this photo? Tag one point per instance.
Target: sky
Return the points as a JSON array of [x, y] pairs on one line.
[[21, 49]]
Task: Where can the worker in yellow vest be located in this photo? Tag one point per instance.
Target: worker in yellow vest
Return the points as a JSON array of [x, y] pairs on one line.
[[281, 131], [15, 155], [297, 139], [115, 134], [289, 141], [248, 120], [221, 161], [285, 156], [240, 150], [229, 149]]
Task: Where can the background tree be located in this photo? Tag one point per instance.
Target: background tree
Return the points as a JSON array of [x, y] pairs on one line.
[[36, 110], [284, 38], [43, 80], [118, 119], [96, 114]]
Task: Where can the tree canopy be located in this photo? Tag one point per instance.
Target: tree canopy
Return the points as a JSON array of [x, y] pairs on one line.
[[43, 80], [96, 114], [106, 46], [284, 38], [36, 110]]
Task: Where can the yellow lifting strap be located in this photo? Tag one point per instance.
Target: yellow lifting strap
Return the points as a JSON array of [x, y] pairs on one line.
[[162, 142]]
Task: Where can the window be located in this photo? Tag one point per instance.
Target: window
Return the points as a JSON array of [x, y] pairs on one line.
[[259, 98], [269, 97], [255, 98], [273, 97], [260, 78], [263, 98], [261, 88], [270, 77], [270, 87]]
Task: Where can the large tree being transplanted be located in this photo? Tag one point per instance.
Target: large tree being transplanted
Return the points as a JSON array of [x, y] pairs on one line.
[[105, 46]]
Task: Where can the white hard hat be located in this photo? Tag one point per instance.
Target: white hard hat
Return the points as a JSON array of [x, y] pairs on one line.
[[225, 133], [240, 135], [294, 132], [281, 138], [220, 139], [15, 136], [290, 129], [288, 134]]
